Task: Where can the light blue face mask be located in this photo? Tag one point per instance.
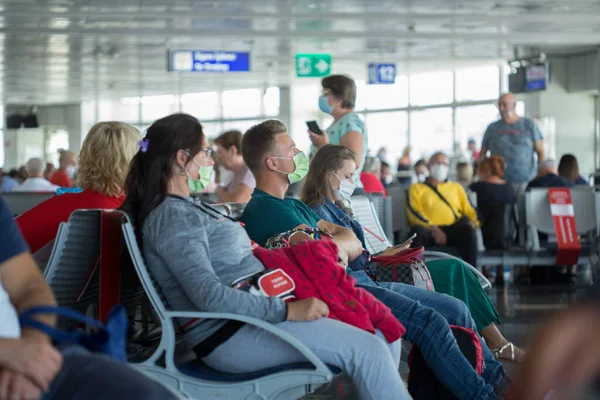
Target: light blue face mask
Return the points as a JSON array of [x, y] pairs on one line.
[[324, 104]]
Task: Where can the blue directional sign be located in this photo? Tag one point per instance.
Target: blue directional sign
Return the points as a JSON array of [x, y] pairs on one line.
[[382, 74], [209, 61]]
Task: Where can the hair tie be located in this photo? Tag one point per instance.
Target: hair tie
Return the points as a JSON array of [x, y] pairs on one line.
[[143, 145]]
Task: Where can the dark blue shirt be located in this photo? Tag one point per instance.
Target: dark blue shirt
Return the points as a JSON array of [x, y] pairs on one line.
[[550, 181], [581, 181], [330, 212], [11, 241]]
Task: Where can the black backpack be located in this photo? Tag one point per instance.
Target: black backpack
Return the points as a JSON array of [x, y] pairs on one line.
[[499, 226], [423, 384]]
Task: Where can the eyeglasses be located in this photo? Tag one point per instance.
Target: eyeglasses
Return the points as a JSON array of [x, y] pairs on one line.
[[208, 152]]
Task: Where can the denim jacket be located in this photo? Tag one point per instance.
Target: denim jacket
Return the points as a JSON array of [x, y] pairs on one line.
[[330, 212]]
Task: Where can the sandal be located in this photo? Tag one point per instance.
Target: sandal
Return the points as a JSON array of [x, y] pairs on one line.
[[515, 359]]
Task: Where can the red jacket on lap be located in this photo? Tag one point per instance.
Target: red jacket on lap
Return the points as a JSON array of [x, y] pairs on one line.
[[313, 267]]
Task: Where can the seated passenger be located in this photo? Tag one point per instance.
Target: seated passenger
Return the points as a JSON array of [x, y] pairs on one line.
[[49, 170], [239, 189], [494, 194], [547, 177], [196, 256], [421, 171], [492, 189], [271, 155], [440, 214], [387, 176], [568, 167], [329, 185], [370, 176], [464, 174], [35, 181], [30, 366], [7, 184], [63, 176], [103, 165]]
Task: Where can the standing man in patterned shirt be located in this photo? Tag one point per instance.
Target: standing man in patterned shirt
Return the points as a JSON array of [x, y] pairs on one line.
[[516, 139]]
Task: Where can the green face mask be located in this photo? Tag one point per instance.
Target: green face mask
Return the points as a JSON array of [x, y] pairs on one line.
[[301, 162], [198, 185]]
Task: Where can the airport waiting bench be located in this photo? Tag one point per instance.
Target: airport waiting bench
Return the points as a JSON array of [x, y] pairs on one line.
[[75, 273]]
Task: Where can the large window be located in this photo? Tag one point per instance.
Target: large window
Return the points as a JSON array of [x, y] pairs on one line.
[[431, 88], [201, 105], [387, 96], [431, 131], [471, 123], [389, 130], [156, 107], [271, 100], [241, 103], [480, 83], [125, 110]]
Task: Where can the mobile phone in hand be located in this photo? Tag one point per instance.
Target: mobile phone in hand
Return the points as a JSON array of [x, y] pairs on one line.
[[314, 127], [411, 238]]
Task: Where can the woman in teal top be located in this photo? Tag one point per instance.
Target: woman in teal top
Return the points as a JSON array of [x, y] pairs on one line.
[[338, 99], [329, 184]]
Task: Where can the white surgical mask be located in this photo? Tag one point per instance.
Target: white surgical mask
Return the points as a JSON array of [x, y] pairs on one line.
[[389, 179], [345, 191], [70, 171], [422, 177], [439, 172]]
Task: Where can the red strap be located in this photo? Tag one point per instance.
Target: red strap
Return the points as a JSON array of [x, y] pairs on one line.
[[110, 262], [88, 279], [382, 240]]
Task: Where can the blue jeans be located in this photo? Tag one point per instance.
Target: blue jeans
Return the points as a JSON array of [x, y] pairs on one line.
[[427, 317], [91, 376]]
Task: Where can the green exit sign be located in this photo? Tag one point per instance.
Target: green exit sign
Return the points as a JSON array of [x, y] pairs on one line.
[[313, 65]]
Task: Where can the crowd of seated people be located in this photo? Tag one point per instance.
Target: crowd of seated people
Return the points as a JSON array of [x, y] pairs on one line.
[[271, 155], [195, 255], [327, 190], [35, 181], [36, 176], [547, 176]]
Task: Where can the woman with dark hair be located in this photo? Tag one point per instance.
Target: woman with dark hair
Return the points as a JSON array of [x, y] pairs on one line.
[[329, 184], [569, 168], [199, 258], [338, 100]]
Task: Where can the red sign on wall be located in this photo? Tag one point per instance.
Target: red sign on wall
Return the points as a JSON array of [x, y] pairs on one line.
[[563, 213]]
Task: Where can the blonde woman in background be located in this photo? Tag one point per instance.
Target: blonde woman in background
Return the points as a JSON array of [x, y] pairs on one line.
[[103, 165]]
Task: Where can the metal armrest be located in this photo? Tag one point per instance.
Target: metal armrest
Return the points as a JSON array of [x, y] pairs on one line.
[[290, 339], [480, 244], [533, 239]]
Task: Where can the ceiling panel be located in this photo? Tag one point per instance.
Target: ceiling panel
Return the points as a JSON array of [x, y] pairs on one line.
[[72, 50]]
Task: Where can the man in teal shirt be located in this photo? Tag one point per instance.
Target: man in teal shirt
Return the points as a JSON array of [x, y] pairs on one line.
[[271, 155]]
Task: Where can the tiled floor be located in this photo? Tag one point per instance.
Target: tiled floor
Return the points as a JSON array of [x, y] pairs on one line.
[[523, 308]]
